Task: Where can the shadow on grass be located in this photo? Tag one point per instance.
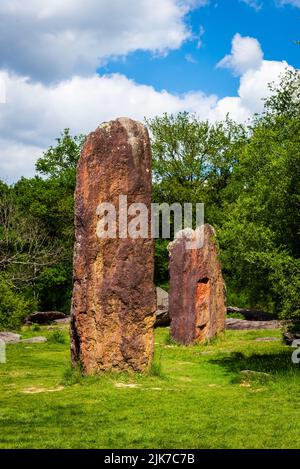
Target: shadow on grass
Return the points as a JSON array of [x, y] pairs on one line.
[[274, 365]]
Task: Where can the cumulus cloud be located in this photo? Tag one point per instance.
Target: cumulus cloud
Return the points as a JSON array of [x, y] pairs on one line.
[[252, 90], [255, 4], [246, 54], [51, 40], [35, 113], [2, 89]]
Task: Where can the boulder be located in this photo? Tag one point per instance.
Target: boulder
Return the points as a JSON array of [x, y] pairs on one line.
[[63, 321], [43, 317], [243, 325], [162, 308], [113, 305], [197, 290], [10, 337]]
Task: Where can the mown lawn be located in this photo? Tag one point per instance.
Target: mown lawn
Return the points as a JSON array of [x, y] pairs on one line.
[[196, 397]]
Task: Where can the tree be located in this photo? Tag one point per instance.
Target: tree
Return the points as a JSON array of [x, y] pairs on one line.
[[25, 248], [193, 159], [42, 210], [260, 232], [192, 162]]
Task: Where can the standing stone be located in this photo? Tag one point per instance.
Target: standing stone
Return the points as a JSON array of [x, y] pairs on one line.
[[197, 290], [113, 306]]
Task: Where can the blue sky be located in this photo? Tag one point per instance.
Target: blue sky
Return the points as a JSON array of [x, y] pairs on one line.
[[77, 63], [190, 68]]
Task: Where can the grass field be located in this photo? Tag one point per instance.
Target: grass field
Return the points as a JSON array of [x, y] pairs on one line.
[[195, 397]]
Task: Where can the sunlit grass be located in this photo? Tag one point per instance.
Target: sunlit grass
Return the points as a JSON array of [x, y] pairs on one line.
[[235, 392]]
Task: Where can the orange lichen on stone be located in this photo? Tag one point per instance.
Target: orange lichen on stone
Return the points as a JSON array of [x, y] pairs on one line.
[[113, 305], [197, 302]]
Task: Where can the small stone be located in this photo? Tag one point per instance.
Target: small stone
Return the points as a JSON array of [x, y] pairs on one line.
[[34, 340]]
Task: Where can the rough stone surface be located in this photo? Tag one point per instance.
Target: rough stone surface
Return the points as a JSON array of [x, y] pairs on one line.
[[162, 299], [113, 306], [63, 321], [162, 308], [44, 317], [10, 337], [197, 290], [243, 325]]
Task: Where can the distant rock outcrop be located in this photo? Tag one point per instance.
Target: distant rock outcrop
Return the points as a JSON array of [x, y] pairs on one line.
[[44, 317]]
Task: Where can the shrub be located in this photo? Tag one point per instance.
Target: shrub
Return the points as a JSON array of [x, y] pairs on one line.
[[13, 306], [57, 337]]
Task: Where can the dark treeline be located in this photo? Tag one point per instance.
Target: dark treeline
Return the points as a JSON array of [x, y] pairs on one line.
[[248, 177]]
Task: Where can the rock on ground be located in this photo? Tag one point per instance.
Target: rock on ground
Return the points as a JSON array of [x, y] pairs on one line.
[[44, 317], [34, 340], [10, 337], [242, 324], [162, 308]]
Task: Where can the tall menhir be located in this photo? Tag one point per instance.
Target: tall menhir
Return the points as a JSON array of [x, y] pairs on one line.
[[113, 305]]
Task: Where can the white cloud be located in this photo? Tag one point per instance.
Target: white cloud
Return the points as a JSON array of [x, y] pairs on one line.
[[255, 4], [246, 54], [2, 89], [253, 88], [295, 3], [190, 58], [36, 113], [55, 39], [17, 159]]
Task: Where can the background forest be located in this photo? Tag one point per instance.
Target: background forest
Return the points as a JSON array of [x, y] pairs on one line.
[[248, 177]]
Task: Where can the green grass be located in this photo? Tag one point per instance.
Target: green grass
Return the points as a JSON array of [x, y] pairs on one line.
[[194, 397]]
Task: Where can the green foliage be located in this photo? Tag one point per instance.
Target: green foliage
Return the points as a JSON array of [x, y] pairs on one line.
[[13, 306], [60, 162], [71, 376], [42, 210], [57, 337], [156, 367], [259, 234], [192, 159], [161, 274]]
